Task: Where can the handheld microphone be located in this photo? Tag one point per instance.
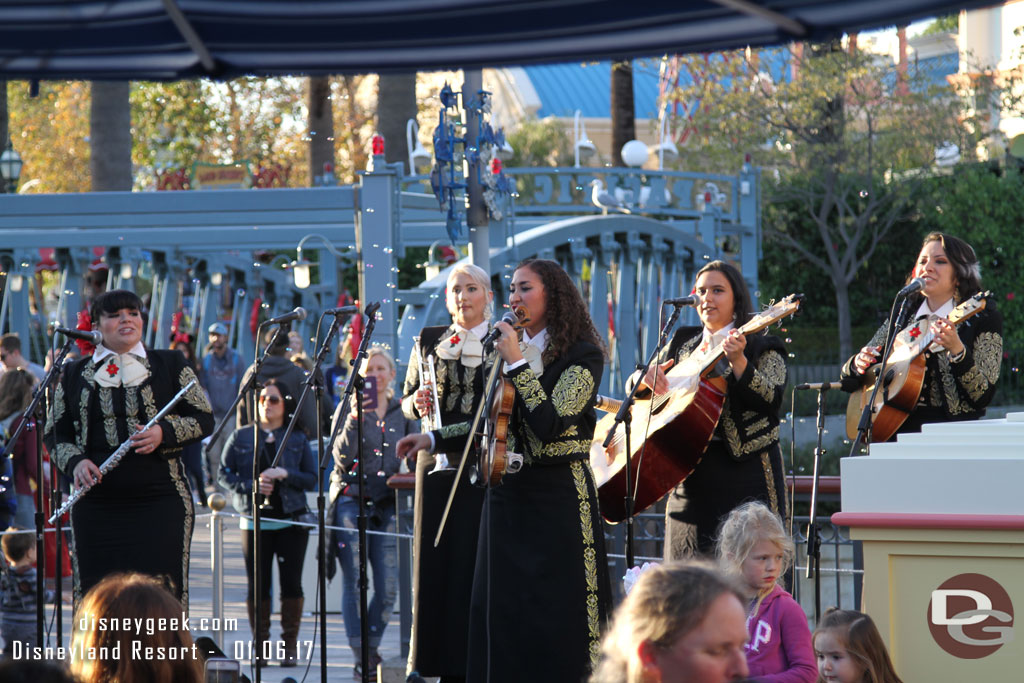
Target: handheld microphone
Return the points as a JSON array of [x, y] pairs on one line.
[[372, 308], [681, 301], [916, 285], [493, 335], [298, 314], [93, 336], [342, 310]]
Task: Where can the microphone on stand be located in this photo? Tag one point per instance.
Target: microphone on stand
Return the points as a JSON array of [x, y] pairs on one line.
[[916, 285], [493, 335], [681, 301], [848, 385], [341, 310], [298, 314], [372, 307], [93, 336]]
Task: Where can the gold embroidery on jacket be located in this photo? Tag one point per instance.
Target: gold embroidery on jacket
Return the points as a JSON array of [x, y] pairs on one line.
[[769, 375], [458, 429], [194, 396], [109, 421], [573, 390], [573, 430], [988, 351], [57, 409], [64, 452], [585, 495], [769, 480], [529, 388], [174, 467]]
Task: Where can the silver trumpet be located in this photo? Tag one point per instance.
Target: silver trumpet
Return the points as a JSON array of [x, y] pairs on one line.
[[431, 420], [115, 458]]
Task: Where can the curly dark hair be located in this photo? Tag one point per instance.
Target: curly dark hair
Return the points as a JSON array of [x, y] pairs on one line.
[[567, 315]]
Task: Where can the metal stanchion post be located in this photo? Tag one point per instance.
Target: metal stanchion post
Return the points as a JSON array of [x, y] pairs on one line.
[[217, 501]]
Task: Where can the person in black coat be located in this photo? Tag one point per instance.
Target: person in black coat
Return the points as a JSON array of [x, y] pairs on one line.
[[743, 461], [139, 515], [541, 592], [960, 378]]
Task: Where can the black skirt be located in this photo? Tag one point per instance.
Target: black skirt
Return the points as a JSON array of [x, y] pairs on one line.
[[148, 533], [541, 594], [443, 576], [719, 484]]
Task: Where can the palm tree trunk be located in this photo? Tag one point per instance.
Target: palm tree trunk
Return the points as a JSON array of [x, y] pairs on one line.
[[623, 123], [321, 130], [110, 136], [396, 104]]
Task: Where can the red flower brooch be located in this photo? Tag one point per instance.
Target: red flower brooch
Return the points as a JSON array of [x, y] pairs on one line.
[[915, 332], [112, 369], [454, 340]]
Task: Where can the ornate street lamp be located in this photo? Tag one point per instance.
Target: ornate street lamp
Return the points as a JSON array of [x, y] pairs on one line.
[[10, 167], [300, 266]]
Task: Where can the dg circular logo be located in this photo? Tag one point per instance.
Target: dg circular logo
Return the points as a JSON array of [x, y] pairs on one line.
[[970, 616]]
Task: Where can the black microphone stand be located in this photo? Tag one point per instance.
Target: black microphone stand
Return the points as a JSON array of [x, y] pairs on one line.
[[624, 417], [355, 385], [864, 426], [813, 538], [252, 384], [40, 516], [314, 379]]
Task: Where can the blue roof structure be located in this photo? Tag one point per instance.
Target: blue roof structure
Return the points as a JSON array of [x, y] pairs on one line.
[[564, 88]]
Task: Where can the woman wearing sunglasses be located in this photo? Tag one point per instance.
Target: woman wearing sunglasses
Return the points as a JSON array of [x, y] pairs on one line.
[[284, 487]]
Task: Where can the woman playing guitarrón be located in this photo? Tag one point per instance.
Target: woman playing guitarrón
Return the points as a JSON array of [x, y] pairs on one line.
[[743, 461]]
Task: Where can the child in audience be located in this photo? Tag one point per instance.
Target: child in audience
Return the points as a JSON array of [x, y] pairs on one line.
[[754, 546], [850, 649], [18, 590]]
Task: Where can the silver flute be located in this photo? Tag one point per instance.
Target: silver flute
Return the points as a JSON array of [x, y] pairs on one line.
[[115, 458]]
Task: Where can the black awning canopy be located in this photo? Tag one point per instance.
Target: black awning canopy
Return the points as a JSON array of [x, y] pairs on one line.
[[178, 39]]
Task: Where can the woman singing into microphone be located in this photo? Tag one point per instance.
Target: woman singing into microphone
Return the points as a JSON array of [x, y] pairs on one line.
[[960, 380], [540, 592], [443, 575]]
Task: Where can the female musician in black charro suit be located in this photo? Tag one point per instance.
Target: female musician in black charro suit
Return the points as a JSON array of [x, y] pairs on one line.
[[960, 380], [743, 462], [139, 516], [442, 576], [540, 593]]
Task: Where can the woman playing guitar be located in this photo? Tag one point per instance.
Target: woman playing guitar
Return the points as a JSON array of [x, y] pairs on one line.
[[960, 380], [743, 462], [541, 592]]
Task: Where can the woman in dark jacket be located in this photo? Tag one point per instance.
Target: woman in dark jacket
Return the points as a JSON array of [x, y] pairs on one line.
[[743, 461], [383, 425], [961, 375], [285, 487]]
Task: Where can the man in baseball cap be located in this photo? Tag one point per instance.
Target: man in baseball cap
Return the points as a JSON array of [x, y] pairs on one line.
[[220, 373]]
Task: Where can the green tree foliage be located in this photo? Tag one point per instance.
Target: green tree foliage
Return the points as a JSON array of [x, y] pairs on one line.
[[51, 133], [986, 208], [847, 136]]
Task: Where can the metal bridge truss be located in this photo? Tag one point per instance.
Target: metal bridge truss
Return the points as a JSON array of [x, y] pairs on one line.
[[204, 243]]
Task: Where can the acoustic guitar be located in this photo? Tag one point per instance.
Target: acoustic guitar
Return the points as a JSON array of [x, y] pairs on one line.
[[676, 425], [904, 374]]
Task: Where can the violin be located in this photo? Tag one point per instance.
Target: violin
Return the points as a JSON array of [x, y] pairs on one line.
[[495, 460]]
